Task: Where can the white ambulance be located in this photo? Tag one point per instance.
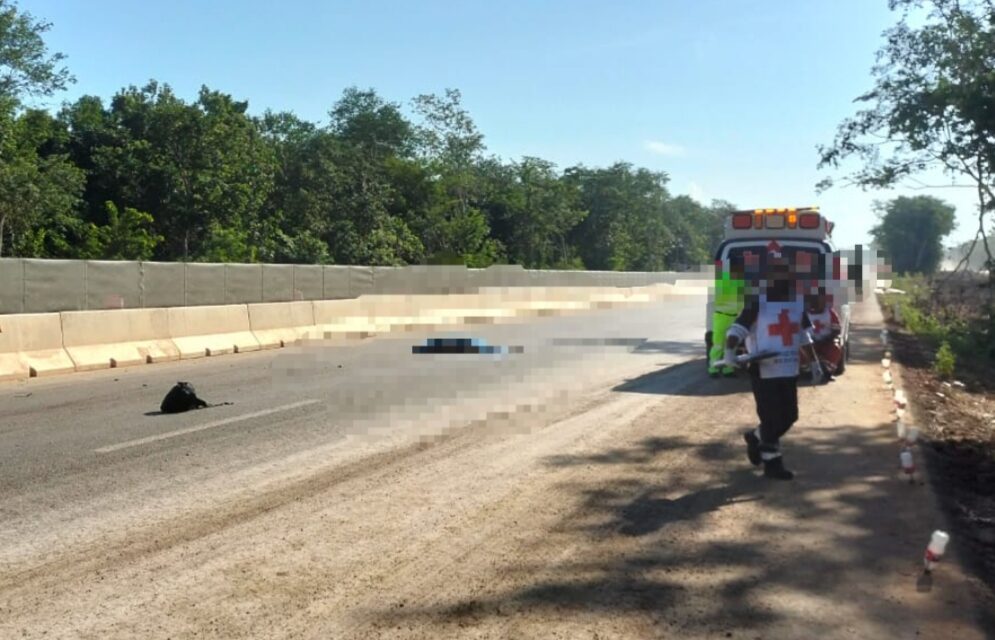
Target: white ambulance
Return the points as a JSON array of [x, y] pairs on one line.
[[803, 236]]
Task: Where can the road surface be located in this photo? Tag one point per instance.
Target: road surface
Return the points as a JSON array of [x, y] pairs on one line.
[[591, 486]]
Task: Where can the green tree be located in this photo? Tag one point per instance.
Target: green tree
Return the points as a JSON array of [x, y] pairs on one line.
[[697, 231], [299, 205], [629, 222], [126, 236], [26, 66], [363, 119], [543, 211], [911, 232], [931, 103], [194, 167], [39, 186], [451, 147], [375, 139]]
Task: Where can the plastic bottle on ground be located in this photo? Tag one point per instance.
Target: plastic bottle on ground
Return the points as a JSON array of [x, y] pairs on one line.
[[936, 548]]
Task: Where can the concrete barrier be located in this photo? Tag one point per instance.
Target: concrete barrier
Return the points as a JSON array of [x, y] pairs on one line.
[[117, 338], [425, 311], [278, 324], [31, 346], [344, 319], [41, 344], [543, 301], [400, 312], [211, 330]]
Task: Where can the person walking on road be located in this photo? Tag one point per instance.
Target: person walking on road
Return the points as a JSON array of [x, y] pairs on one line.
[[772, 323]]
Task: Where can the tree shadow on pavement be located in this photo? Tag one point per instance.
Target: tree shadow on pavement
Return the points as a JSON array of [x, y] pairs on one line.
[[687, 538], [686, 379], [645, 451]]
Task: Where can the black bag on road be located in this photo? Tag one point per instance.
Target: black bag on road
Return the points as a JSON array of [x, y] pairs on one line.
[[182, 397]]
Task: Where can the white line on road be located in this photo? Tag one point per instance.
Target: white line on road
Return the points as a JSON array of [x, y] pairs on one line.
[[202, 427]]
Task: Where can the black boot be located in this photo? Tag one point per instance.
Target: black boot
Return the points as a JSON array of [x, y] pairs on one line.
[[774, 469], [753, 448]]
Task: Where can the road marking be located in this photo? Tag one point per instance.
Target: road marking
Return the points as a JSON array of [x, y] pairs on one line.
[[203, 427]]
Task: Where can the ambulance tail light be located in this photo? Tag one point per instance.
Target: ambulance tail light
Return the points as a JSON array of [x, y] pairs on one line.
[[742, 221], [808, 221]]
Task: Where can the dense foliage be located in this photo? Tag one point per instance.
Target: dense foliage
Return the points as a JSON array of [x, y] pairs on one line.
[[148, 175], [911, 232]]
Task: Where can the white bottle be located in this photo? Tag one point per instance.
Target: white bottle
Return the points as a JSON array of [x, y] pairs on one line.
[[901, 430], [936, 548], [901, 401], [886, 363]]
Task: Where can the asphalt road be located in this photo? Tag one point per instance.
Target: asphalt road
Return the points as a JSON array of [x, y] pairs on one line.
[[86, 456]]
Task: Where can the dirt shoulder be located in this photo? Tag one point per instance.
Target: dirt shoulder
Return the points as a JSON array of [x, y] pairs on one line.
[[957, 419], [635, 515]]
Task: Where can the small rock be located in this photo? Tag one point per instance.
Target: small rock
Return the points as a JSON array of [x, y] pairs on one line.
[[940, 395], [947, 385], [959, 384]]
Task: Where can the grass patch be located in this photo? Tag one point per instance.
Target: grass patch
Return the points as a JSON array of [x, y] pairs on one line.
[[951, 317]]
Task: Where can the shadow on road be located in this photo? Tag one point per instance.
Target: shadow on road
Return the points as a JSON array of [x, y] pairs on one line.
[[648, 546], [686, 379]]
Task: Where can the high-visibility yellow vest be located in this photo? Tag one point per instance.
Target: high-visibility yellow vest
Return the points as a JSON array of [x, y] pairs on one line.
[[729, 294]]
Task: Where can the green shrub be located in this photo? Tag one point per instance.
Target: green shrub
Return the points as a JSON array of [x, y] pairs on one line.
[[945, 361]]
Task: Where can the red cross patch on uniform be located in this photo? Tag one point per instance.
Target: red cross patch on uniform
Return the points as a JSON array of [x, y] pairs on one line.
[[784, 328]]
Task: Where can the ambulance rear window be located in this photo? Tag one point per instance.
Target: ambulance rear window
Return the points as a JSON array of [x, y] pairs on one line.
[[753, 260]]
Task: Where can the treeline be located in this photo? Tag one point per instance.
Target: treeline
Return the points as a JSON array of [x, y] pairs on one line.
[[147, 175]]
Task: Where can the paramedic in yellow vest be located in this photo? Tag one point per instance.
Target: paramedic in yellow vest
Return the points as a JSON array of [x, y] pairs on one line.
[[728, 304]]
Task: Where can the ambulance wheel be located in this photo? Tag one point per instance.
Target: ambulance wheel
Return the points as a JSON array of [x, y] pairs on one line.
[[708, 347]]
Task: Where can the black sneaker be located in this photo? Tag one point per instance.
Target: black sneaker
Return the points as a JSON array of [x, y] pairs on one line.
[[753, 448], [775, 470]]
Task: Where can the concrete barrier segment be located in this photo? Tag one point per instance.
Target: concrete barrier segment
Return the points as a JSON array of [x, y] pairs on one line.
[[117, 338], [31, 346], [343, 319], [211, 330], [281, 324]]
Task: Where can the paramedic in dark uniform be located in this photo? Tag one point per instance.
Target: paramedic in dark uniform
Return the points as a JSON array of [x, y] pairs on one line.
[[775, 321]]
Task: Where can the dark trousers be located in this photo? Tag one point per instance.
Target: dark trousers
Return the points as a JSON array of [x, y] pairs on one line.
[[777, 406]]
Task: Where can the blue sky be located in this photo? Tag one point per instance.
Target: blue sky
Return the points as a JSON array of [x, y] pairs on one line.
[[729, 97]]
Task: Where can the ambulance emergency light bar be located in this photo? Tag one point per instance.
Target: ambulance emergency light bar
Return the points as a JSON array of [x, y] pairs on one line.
[[807, 220]]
